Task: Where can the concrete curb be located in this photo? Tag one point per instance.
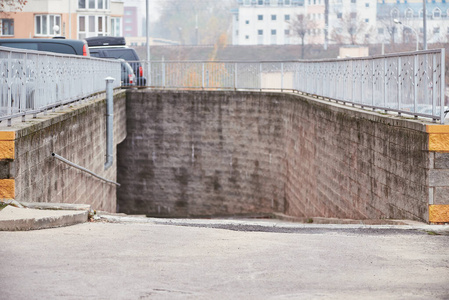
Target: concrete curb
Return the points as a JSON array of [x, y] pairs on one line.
[[14, 219], [274, 225]]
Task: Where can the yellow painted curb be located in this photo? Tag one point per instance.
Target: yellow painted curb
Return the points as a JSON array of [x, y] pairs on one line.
[[7, 144], [439, 213], [438, 137], [7, 189], [437, 128]]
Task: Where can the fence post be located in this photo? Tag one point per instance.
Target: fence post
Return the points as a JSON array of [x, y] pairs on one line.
[[163, 72], [202, 76], [385, 81], [373, 72], [415, 85], [442, 84], [9, 95], [399, 82], [282, 77], [109, 122]]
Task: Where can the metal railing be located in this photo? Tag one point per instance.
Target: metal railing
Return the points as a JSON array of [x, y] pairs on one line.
[[411, 83], [34, 81]]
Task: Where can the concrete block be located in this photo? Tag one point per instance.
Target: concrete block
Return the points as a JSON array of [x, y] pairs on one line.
[[439, 177], [441, 195], [441, 160], [12, 218]]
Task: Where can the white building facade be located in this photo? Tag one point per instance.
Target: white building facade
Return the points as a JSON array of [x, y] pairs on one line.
[[75, 19], [269, 22]]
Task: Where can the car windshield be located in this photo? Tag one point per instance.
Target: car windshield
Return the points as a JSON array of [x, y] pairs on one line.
[[126, 54]]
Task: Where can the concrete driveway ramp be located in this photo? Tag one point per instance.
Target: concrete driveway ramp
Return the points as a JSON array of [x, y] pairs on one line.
[[13, 218]]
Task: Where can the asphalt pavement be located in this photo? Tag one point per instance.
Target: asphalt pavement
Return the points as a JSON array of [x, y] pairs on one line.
[[125, 257]]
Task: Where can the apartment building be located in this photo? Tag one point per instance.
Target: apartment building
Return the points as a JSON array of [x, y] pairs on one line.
[[75, 19], [410, 14], [265, 22], [269, 22]]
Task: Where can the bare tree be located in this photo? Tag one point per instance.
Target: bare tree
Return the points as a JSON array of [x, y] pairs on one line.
[[351, 30], [193, 22], [301, 26], [8, 6], [390, 28]]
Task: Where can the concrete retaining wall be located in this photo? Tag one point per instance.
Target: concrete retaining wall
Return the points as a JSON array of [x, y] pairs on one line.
[[77, 133], [192, 153]]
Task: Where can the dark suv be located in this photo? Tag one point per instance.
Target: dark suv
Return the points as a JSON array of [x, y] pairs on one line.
[[115, 47], [58, 45]]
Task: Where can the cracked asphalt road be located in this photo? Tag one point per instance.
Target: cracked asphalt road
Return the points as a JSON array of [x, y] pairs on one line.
[[222, 260]]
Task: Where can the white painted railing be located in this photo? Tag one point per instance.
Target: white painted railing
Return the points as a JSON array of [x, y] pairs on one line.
[[407, 83], [410, 83], [34, 81]]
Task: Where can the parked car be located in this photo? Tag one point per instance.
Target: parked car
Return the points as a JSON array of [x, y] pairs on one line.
[[58, 45], [128, 77], [115, 47]]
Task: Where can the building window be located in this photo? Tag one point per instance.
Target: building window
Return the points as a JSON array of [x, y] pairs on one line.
[[260, 32], [287, 32], [89, 26], [421, 14], [287, 17], [116, 26], [366, 20], [246, 37], [93, 4], [7, 27], [395, 13], [380, 31], [436, 30], [353, 1], [287, 2], [339, 15], [409, 13], [260, 2], [260, 17], [273, 17], [437, 13], [273, 31], [353, 15], [366, 4], [247, 22], [47, 25], [236, 32]]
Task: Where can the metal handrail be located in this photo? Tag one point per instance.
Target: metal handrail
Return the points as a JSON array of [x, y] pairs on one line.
[[411, 83], [34, 81], [82, 169]]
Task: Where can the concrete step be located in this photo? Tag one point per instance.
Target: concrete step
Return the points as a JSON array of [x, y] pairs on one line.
[[48, 216]]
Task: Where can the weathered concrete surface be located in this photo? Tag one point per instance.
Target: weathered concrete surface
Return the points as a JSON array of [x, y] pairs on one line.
[[12, 218], [147, 261], [200, 153], [77, 133]]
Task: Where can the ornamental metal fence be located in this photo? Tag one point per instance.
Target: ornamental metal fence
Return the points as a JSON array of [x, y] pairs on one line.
[[34, 81], [410, 83], [407, 83]]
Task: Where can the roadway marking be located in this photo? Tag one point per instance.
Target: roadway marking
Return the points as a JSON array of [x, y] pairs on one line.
[[7, 189], [7, 144], [439, 213]]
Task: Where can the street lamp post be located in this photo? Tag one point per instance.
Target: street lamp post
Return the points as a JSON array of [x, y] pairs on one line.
[[413, 30]]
